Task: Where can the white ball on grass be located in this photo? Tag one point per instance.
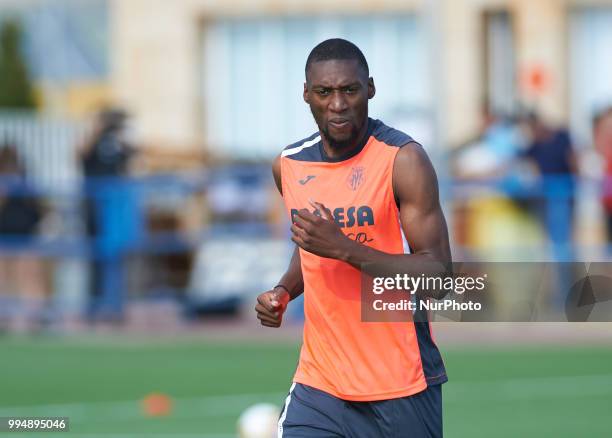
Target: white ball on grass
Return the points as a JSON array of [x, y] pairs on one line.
[[259, 421]]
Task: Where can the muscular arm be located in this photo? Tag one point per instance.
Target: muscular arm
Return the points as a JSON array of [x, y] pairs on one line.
[[271, 305], [416, 191], [292, 279], [415, 187]]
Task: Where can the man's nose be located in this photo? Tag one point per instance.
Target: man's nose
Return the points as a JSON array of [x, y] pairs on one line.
[[338, 102]]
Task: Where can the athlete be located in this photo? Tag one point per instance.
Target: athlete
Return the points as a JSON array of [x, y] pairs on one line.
[[357, 191]]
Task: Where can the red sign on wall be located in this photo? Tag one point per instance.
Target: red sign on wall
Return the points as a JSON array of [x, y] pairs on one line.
[[536, 80]]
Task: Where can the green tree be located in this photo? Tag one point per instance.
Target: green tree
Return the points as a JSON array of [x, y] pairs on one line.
[[16, 90]]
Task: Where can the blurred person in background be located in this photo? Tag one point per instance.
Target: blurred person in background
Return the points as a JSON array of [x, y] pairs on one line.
[[502, 137], [495, 218], [22, 276], [108, 153], [602, 136], [493, 154], [105, 159], [550, 149], [551, 152]]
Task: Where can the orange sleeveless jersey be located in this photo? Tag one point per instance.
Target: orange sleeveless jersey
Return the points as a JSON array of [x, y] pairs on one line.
[[341, 355]]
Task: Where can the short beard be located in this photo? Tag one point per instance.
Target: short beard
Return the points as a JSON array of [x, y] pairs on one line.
[[341, 144]]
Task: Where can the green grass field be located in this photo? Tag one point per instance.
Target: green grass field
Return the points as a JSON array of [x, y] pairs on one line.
[[516, 392]]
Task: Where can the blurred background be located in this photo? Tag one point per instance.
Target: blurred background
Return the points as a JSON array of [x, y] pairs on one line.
[[139, 219]]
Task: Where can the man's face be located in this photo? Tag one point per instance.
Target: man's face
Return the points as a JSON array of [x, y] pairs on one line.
[[338, 92]]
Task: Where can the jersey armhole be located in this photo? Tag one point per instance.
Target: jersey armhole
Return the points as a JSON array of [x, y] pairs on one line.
[[282, 177]]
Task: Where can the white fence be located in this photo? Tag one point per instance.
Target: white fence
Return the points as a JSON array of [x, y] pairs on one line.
[[47, 146]]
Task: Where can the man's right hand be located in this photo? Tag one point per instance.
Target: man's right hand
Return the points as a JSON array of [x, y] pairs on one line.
[[271, 306]]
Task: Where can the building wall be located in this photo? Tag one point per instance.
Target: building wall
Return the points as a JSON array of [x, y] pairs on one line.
[[541, 47], [462, 73], [156, 57]]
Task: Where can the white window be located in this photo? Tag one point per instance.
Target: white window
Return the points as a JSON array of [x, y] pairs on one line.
[[590, 68], [500, 68], [254, 73]]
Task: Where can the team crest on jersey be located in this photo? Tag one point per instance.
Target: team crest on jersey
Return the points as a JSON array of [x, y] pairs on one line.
[[356, 178]]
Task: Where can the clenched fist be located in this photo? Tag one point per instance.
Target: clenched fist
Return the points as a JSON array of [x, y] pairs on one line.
[[271, 306]]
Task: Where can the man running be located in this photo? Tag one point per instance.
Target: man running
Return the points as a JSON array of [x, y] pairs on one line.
[[357, 192]]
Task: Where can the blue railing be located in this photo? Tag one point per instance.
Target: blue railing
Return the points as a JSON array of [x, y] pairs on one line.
[[120, 206]]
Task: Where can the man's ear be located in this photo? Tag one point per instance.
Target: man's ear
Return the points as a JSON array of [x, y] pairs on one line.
[[305, 95], [371, 88]]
